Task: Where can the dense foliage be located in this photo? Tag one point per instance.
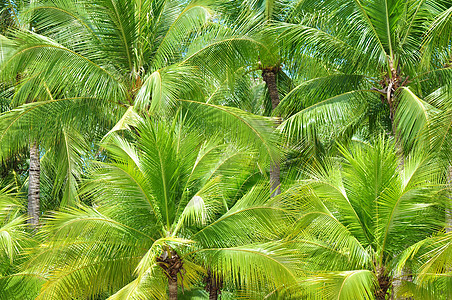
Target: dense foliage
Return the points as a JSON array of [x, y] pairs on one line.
[[209, 149]]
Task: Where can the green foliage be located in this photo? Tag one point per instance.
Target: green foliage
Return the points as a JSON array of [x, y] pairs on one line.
[[168, 189], [156, 130], [357, 218]]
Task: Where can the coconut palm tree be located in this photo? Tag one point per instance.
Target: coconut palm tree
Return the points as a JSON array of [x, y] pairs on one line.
[[385, 56], [162, 211], [31, 89], [122, 57], [246, 56], [261, 14], [12, 21], [357, 218]]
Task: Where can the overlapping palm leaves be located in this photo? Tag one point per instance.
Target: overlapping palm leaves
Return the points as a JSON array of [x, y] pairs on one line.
[[15, 239], [382, 53], [430, 260], [359, 216], [84, 58], [166, 196], [13, 234], [164, 207]]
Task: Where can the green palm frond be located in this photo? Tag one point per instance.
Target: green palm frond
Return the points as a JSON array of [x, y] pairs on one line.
[[310, 92], [6, 46], [194, 16], [356, 284], [13, 234], [160, 89], [437, 35], [251, 213], [220, 50], [21, 285], [42, 121], [429, 259], [88, 249], [245, 127], [15, 239], [36, 52], [437, 131], [85, 272], [273, 264], [330, 46], [411, 117], [149, 286], [70, 164], [344, 110]]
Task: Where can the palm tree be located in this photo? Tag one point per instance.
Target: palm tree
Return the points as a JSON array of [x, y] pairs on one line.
[[401, 52], [31, 89], [280, 64], [11, 21], [162, 210], [268, 60], [386, 56], [357, 218], [122, 60]]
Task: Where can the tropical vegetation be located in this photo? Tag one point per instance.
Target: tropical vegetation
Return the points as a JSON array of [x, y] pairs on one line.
[[209, 149]]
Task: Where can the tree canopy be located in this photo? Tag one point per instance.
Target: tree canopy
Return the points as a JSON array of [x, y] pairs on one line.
[[208, 149]]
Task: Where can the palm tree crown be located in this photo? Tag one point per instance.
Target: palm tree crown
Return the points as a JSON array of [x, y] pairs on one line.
[[358, 217], [162, 209]]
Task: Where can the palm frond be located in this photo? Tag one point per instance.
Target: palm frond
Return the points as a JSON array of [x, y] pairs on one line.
[[356, 284], [245, 128], [411, 116], [263, 266], [344, 110]]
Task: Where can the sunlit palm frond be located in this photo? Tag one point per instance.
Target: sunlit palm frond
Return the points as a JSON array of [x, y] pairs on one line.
[[263, 266], [344, 110], [245, 128], [411, 117]]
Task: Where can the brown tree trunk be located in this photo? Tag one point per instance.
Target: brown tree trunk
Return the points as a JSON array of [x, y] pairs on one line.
[[213, 294], [172, 288], [34, 185], [214, 285], [389, 86], [269, 76], [172, 265], [384, 283]]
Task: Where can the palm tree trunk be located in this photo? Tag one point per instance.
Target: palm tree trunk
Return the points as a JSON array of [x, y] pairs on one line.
[[214, 285], [34, 185], [269, 76], [172, 265], [384, 283], [383, 288], [172, 288], [213, 294]]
